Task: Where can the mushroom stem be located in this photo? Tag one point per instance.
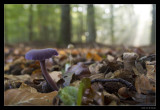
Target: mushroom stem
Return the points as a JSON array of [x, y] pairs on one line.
[[47, 76]]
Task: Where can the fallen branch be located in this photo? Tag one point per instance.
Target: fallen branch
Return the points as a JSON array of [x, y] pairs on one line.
[[128, 84]]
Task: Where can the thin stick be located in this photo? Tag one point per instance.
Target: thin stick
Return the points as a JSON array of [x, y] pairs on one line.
[[128, 84]]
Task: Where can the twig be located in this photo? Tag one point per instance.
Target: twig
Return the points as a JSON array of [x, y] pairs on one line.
[[146, 58], [128, 84]]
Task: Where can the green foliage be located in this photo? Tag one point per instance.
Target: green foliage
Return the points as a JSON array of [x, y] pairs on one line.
[[73, 96], [46, 20], [68, 95], [84, 84]]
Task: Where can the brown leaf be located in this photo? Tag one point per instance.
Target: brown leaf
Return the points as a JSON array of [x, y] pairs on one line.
[[97, 76], [142, 84], [91, 96], [110, 58], [94, 68], [8, 84], [21, 78], [113, 103], [80, 70], [135, 71], [108, 98], [27, 71], [36, 74], [94, 56], [151, 71], [139, 68], [27, 88], [28, 96], [56, 75]]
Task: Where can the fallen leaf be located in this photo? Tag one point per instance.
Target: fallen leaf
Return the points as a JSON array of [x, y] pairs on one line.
[[21, 78], [94, 56], [80, 70], [110, 58], [108, 98], [96, 76], [151, 71], [113, 103], [27, 96], [27, 88], [67, 77], [98, 68], [56, 75], [8, 84], [142, 84]]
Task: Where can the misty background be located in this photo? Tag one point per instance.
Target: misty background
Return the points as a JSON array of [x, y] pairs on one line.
[[108, 24]]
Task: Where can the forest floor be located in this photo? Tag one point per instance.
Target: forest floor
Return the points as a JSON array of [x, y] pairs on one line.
[[85, 75]]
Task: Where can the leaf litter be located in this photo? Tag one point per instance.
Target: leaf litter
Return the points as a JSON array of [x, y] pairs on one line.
[[85, 76]]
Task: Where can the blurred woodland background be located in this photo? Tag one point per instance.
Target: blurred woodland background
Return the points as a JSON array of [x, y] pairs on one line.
[[59, 25]]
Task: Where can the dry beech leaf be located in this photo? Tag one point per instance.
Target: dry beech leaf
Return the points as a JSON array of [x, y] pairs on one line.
[[97, 68], [21, 78], [7, 67], [56, 75], [108, 98], [94, 56], [74, 52], [151, 71], [97, 57], [135, 71], [142, 84], [8, 84], [139, 68], [96, 76], [62, 52], [27, 88], [36, 74], [93, 68], [110, 58], [26, 95], [113, 103], [80, 70], [89, 55]]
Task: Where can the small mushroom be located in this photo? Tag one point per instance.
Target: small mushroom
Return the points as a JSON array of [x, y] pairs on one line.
[[41, 55]]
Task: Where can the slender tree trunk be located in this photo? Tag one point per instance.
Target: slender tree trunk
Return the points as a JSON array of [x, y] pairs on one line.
[[80, 29], [153, 28], [91, 24], [46, 32], [65, 29], [112, 23], [30, 23]]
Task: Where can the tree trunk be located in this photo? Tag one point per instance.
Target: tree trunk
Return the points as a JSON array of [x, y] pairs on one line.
[[112, 23], [153, 28], [30, 23], [91, 24], [80, 29], [65, 29]]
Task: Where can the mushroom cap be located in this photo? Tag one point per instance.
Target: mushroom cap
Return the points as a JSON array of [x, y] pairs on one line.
[[41, 54]]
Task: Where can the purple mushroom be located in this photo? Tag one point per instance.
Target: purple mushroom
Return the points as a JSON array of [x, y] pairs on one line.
[[41, 55]]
